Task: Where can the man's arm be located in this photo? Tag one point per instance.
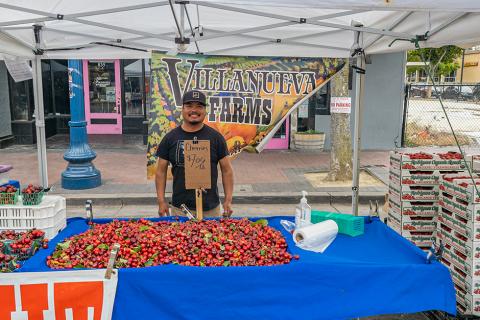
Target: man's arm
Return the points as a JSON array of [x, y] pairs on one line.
[[160, 182], [227, 181]]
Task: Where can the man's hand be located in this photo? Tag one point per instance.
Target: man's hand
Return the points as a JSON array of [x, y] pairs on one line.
[[160, 181], [227, 209], [162, 209], [227, 180]]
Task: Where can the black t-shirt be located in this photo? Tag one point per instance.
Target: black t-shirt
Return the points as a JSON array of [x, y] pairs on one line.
[[171, 149]]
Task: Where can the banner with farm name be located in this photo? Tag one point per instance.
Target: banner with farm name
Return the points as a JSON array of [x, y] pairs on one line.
[[247, 97]]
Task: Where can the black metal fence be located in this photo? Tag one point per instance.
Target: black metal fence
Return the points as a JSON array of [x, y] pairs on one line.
[[425, 123]]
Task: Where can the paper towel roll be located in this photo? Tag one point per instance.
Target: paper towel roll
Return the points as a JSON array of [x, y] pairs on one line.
[[316, 237]]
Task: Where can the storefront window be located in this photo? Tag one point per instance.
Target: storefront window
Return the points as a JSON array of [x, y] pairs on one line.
[[318, 104], [101, 77], [133, 87], [21, 99], [60, 84]]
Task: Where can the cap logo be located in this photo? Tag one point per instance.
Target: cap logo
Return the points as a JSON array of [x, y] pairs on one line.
[[196, 94]]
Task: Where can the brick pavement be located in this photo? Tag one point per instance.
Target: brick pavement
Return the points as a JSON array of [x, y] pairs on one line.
[[122, 162]]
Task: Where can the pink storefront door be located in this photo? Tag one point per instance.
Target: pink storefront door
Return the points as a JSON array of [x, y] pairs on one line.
[[281, 137], [103, 107]]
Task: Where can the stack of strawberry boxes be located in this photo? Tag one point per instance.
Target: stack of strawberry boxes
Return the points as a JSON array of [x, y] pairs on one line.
[[414, 192], [459, 231]]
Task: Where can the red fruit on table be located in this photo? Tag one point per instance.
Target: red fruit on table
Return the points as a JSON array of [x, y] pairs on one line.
[[228, 242]]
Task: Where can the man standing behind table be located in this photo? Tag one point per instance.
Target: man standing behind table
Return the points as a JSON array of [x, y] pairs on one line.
[[170, 150]]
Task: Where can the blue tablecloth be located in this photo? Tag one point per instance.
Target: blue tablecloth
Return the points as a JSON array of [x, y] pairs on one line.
[[376, 273]]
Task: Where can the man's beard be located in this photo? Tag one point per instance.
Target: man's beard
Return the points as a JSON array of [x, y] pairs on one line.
[[194, 121]]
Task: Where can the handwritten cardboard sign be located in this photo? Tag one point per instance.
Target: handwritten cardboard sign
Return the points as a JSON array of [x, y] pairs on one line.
[[197, 164]]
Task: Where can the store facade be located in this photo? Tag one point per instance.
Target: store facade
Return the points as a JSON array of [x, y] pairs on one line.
[[116, 101]]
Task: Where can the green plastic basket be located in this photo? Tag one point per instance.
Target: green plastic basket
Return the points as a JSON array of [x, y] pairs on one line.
[[32, 199], [9, 198], [347, 224], [8, 266], [24, 255]]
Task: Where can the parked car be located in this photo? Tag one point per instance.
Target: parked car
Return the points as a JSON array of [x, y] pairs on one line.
[[476, 92], [466, 93], [451, 93]]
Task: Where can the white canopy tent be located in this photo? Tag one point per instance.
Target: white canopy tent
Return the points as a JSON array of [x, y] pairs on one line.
[[234, 27], [132, 29]]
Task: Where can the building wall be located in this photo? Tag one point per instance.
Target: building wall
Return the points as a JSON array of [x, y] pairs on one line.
[[5, 119], [383, 104], [471, 70]]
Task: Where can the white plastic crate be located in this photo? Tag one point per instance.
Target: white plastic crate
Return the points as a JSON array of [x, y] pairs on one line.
[[49, 216]]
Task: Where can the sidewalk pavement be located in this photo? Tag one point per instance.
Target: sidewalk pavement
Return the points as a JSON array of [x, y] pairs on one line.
[[273, 176]]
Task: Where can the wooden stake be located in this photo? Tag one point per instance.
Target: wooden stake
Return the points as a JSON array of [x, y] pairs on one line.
[[199, 204]]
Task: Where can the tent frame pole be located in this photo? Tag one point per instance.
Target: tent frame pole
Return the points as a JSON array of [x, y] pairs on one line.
[[279, 25], [39, 110], [50, 16], [358, 104], [304, 20]]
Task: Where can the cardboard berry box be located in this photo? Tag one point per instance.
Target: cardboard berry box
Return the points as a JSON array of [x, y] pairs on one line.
[[409, 229], [427, 161], [461, 186], [412, 193], [415, 208], [411, 218], [468, 231], [422, 241], [403, 160], [414, 177], [463, 266], [465, 245], [458, 206]]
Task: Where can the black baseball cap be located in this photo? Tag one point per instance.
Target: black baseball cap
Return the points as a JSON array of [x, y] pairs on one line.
[[195, 96]]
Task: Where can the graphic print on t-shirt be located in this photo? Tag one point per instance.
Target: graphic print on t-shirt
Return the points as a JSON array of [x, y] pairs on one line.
[[179, 156]]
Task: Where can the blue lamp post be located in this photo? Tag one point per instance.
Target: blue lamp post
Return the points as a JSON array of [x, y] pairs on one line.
[[80, 172]]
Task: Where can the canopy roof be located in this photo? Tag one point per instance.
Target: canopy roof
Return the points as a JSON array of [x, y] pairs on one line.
[[103, 29]]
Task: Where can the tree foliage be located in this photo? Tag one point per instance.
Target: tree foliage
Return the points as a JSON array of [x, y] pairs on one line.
[[441, 61]]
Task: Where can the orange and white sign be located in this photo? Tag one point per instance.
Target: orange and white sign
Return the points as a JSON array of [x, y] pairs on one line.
[[340, 104], [59, 295]]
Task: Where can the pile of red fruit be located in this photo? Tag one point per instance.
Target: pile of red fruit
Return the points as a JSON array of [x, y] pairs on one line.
[[226, 242], [8, 235], [7, 194], [8, 189], [25, 244], [17, 246], [8, 263], [32, 189], [419, 155], [450, 155]]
